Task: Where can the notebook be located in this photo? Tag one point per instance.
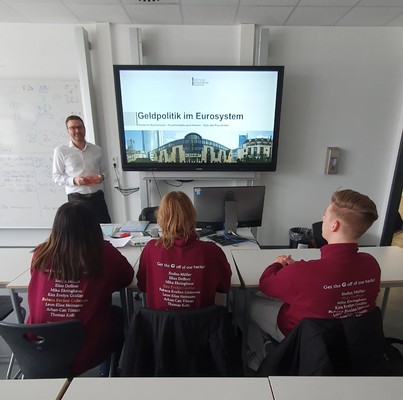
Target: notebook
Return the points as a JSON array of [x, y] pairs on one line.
[[134, 226], [108, 229]]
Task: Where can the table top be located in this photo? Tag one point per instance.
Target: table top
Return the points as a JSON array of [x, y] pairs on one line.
[[15, 273], [13, 262], [169, 388], [21, 281], [251, 263], [248, 245], [31, 389], [336, 388], [132, 253]]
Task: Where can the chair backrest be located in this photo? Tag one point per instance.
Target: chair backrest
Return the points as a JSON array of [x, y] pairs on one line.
[[44, 350], [348, 346], [6, 307], [200, 342], [149, 214], [317, 234]]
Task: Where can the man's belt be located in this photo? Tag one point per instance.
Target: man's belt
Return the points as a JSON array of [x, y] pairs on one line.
[[86, 195]]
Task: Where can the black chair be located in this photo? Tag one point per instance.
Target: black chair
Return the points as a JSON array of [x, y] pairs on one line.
[[330, 347], [149, 214], [317, 234], [6, 308], [44, 350], [200, 342]]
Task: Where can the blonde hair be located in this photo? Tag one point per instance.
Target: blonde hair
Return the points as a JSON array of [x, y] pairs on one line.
[[177, 218], [356, 210]]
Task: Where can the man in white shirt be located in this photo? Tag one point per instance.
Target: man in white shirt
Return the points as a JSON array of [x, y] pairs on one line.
[[79, 167]]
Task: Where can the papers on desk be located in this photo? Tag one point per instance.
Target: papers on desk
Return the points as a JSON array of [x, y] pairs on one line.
[[118, 242]]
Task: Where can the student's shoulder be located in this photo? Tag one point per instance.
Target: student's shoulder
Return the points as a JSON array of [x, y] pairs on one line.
[[110, 250], [151, 246]]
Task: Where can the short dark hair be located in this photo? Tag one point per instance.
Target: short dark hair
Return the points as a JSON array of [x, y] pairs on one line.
[[357, 210], [74, 118]]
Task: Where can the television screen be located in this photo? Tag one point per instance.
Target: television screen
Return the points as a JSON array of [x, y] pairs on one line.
[[194, 118]]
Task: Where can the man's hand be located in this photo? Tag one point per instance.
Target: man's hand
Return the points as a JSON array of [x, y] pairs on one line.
[[284, 260], [88, 180], [94, 179], [80, 180]]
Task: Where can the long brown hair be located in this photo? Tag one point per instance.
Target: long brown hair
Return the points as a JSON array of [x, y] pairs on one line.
[[177, 218], [74, 246]]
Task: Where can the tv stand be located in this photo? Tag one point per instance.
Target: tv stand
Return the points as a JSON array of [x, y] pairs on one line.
[[231, 215]]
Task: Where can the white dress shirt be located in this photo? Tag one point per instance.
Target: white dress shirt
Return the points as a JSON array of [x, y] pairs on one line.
[[69, 162]]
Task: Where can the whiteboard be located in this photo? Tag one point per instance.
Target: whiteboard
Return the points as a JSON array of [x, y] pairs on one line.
[[32, 124]]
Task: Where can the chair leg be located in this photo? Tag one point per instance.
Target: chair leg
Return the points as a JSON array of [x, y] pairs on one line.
[[112, 366], [10, 366], [10, 369]]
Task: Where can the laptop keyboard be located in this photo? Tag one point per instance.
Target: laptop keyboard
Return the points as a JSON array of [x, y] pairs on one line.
[[227, 239]]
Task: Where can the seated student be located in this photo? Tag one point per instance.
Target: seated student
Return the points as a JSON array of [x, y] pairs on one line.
[[178, 271], [342, 283], [76, 266]]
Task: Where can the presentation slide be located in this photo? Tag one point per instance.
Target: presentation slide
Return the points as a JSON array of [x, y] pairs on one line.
[[220, 106]]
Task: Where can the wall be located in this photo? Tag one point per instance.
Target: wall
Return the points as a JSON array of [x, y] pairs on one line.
[[343, 87]]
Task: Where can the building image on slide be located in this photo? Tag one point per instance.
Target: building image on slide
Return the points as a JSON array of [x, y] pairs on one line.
[[192, 148]]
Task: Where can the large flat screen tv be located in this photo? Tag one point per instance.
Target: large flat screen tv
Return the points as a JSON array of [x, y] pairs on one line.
[[198, 118]]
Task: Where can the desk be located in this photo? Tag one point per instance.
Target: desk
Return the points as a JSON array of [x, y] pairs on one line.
[[336, 388], [20, 260], [252, 264], [32, 389], [169, 388], [13, 262], [247, 246]]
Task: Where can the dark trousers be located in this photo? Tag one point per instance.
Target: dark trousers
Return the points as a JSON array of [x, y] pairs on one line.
[[97, 202], [118, 322]]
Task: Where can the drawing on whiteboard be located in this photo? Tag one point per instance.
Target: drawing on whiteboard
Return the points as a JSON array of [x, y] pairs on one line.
[[33, 114]]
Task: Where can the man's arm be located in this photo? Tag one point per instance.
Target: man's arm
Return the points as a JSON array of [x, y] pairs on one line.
[[100, 176], [276, 280], [58, 171]]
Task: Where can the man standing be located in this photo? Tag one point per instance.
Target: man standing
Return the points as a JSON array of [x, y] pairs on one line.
[[79, 167], [342, 283]]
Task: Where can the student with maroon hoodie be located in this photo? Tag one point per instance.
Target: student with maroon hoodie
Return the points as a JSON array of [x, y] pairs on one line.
[[343, 282], [73, 276], [178, 271]]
